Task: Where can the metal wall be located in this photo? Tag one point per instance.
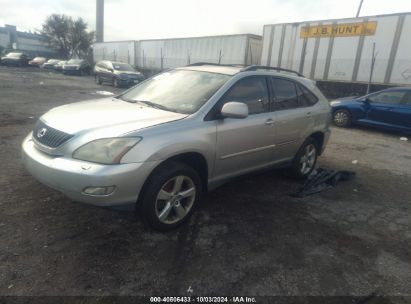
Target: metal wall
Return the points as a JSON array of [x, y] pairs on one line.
[[343, 58], [123, 51], [171, 53]]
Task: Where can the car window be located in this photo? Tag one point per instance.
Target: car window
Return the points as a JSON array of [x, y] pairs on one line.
[[285, 94], [305, 97], [388, 97], [252, 91], [407, 100]]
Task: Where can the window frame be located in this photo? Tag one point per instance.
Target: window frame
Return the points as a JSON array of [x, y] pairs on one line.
[[215, 114], [401, 102], [296, 86]]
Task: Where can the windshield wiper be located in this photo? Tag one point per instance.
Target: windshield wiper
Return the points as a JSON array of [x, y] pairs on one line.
[[154, 105]]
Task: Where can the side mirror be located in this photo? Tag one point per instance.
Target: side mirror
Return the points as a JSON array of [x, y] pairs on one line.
[[234, 109]]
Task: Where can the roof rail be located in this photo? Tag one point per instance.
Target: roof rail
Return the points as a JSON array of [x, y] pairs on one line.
[[215, 64], [262, 67]]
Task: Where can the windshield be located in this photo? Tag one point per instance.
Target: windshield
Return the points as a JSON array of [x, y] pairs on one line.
[[74, 61], [180, 91], [122, 67], [14, 55]]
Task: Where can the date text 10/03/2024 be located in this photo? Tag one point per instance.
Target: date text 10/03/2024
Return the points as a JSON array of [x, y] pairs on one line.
[[239, 299]]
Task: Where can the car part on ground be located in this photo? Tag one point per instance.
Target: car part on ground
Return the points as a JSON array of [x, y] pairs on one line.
[[118, 74], [322, 179], [162, 143], [389, 109]]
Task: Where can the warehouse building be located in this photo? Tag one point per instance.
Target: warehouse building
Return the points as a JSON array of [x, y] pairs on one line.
[[32, 44], [158, 54], [339, 53]]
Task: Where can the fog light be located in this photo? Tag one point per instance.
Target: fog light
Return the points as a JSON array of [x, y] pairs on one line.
[[99, 190]]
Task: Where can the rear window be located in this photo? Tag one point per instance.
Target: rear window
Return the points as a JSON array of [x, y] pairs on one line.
[[285, 94], [305, 97]]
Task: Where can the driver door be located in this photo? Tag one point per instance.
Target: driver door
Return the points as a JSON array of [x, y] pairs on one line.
[[383, 107], [245, 144]]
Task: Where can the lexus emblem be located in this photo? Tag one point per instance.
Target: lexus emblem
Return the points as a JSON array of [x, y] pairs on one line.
[[41, 132]]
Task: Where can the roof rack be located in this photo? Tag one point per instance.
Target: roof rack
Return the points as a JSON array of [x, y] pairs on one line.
[[216, 64], [262, 67]]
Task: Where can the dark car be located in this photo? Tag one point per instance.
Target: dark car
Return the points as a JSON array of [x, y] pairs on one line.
[[119, 74], [15, 59], [76, 67], [388, 109], [50, 64], [37, 61]]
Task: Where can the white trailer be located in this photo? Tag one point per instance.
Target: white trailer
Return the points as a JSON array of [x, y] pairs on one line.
[[123, 51], [340, 50], [170, 53]]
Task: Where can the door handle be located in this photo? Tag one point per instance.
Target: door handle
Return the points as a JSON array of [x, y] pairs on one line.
[[269, 122]]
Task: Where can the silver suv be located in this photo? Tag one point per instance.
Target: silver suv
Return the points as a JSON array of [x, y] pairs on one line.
[[164, 142]]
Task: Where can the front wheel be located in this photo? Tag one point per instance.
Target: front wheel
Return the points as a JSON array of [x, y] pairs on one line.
[[342, 118], [305, 159], [170, 196]]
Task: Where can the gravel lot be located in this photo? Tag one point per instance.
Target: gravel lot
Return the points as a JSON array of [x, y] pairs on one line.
[[249, 237]]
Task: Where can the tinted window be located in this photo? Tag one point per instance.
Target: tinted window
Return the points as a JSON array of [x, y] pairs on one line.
[[305, 97], [389, 97], [252, 91], [285, 94], [407, 99]]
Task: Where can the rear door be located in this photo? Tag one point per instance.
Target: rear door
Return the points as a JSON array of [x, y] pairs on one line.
[[384, 108], [404, 112], [245, 144], [293, 117]]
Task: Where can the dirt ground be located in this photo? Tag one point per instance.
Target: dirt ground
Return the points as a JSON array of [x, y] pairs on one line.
[[249, 237]]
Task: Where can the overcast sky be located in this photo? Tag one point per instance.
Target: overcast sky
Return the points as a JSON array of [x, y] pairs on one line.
[[137, 19]]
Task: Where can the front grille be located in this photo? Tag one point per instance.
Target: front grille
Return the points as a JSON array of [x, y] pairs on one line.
[[49, 136]]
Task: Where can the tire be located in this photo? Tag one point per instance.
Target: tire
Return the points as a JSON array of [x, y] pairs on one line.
[[164, 205], [98, 80], [342, 118], [298, 169]]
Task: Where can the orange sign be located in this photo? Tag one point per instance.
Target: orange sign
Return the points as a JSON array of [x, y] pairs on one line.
[[339, 30]]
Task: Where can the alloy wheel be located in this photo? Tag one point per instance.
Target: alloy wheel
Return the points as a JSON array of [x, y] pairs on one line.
[[175, 199], [341, 118], [307, 160]]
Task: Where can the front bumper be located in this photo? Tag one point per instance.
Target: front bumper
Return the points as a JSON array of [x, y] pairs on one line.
[[71, 176], [129, 82]]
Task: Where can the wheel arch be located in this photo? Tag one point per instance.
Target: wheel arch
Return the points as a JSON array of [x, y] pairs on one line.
[[319, 138]]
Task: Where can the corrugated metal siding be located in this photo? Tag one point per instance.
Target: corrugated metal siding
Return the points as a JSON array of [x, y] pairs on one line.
[[116, 51], [180, 52], [343, 58]]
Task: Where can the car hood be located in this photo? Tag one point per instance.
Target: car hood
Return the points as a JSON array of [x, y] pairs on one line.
[[344, 100], [109, 113]]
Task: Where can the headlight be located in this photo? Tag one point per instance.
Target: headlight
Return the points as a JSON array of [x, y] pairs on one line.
[[335, 102], [106, 150]]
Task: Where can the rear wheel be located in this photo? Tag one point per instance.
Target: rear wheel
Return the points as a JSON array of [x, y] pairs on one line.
[[98, 80], [342, 118], [305, 159], [170, 196]]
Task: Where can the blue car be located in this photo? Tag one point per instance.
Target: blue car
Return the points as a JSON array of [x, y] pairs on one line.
[[389, 109]]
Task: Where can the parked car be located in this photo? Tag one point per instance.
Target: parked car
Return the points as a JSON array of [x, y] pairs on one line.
[[76, 67], [117, 73], [14, 59], [389, 109], [164, 142], [37, 61], [59, 65], [50, 64]]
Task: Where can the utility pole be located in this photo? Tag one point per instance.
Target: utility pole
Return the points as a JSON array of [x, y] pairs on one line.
[[99, 20], [359, 9], [374, 56]]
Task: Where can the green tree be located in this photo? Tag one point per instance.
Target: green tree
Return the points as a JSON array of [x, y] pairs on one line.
[[69, 37]]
